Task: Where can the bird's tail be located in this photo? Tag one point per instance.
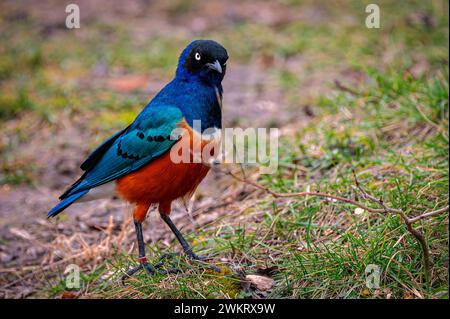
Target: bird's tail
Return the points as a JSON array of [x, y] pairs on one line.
[[66, 202]]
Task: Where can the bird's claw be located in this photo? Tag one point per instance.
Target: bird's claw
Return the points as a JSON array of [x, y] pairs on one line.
[[165, 256], [151, 270], [214, 267], [130, 272], [194, 256], [202, 259]]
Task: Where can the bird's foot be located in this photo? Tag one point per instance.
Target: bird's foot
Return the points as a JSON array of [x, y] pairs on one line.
[[201, 259], [151, 270], [164, 256], [191, 255]]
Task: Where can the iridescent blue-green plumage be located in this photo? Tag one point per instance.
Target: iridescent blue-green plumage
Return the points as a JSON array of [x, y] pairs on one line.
[[191, 95]]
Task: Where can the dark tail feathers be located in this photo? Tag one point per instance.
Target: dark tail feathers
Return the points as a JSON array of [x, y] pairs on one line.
[[66, 202]]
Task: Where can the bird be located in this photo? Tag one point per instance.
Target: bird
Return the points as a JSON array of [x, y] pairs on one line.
[[141, 163]]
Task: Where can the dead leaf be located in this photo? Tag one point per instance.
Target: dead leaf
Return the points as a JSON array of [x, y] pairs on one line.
[[262, 283], [408, 295], [267, 271], [365, 292], [69, 294]]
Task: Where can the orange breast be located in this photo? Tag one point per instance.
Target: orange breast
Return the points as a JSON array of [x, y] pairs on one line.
[[162, 180]]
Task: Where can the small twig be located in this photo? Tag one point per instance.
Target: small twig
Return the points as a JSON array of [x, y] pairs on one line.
[[408, 222], [345, 88], [385, 209], [301, 194], [434, 212]]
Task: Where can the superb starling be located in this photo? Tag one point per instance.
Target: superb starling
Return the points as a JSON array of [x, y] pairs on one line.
[[137, 163]]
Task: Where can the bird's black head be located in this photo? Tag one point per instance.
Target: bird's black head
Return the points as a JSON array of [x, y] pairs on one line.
[[205, 59]]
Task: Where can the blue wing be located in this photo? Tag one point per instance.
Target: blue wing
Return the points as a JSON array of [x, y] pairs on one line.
[[149, 136]]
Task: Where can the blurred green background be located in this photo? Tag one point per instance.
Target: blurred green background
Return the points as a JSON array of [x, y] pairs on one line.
[[345, 97]]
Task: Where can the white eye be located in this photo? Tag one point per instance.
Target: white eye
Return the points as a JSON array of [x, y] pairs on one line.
[[197, 56]]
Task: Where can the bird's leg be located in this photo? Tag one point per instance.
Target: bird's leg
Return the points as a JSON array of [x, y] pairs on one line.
[[142, 259], [141, 247], [187, 249]]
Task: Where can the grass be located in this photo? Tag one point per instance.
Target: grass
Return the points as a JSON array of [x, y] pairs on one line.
[[321, 249], [391, 127]]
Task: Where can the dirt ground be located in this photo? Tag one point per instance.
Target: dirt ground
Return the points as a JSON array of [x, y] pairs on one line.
[[30, 241], [34, 249]]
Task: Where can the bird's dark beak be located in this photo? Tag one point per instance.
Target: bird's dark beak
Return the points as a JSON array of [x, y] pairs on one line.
[[215, 66]]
